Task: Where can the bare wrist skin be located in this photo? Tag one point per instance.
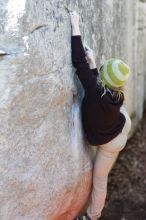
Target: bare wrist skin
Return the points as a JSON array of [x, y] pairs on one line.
[[76, 31], [92, 65]]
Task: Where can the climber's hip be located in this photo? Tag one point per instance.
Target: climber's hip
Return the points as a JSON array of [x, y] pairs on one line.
[[120, 140]]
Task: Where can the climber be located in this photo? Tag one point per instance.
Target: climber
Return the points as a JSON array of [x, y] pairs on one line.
[[105, 120]]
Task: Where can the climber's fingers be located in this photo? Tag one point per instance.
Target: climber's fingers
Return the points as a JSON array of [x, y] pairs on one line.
[[72, 13], [89, 54], [87, 48]]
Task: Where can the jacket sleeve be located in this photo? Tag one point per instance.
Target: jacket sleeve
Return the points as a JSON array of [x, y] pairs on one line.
[[87, 76], [95, 71]]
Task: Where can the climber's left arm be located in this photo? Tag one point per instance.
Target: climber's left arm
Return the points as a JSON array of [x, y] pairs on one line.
[[87, 76]]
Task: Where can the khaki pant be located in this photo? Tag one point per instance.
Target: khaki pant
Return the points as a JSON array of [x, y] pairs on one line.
[[105, 158]]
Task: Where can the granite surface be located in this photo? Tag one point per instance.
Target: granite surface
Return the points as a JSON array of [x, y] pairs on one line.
[[45, 162]]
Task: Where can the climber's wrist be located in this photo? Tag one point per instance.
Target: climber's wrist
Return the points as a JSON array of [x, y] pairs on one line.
[[92, 65], [75, 30]]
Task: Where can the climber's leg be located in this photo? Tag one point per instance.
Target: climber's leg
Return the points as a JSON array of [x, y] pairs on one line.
[[103, 164], [105, 159]]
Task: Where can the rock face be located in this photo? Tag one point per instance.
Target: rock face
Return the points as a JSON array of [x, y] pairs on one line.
[[45, 163], [142, 45]]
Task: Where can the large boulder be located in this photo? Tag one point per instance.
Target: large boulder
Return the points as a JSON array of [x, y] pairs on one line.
[[142, 44], [45, 163], [45, 170]]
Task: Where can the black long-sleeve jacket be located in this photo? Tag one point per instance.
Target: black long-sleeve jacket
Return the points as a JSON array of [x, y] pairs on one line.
[[101, 116]]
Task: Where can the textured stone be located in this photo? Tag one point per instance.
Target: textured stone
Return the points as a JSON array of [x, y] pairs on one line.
[[141, 40], [45, 163]]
